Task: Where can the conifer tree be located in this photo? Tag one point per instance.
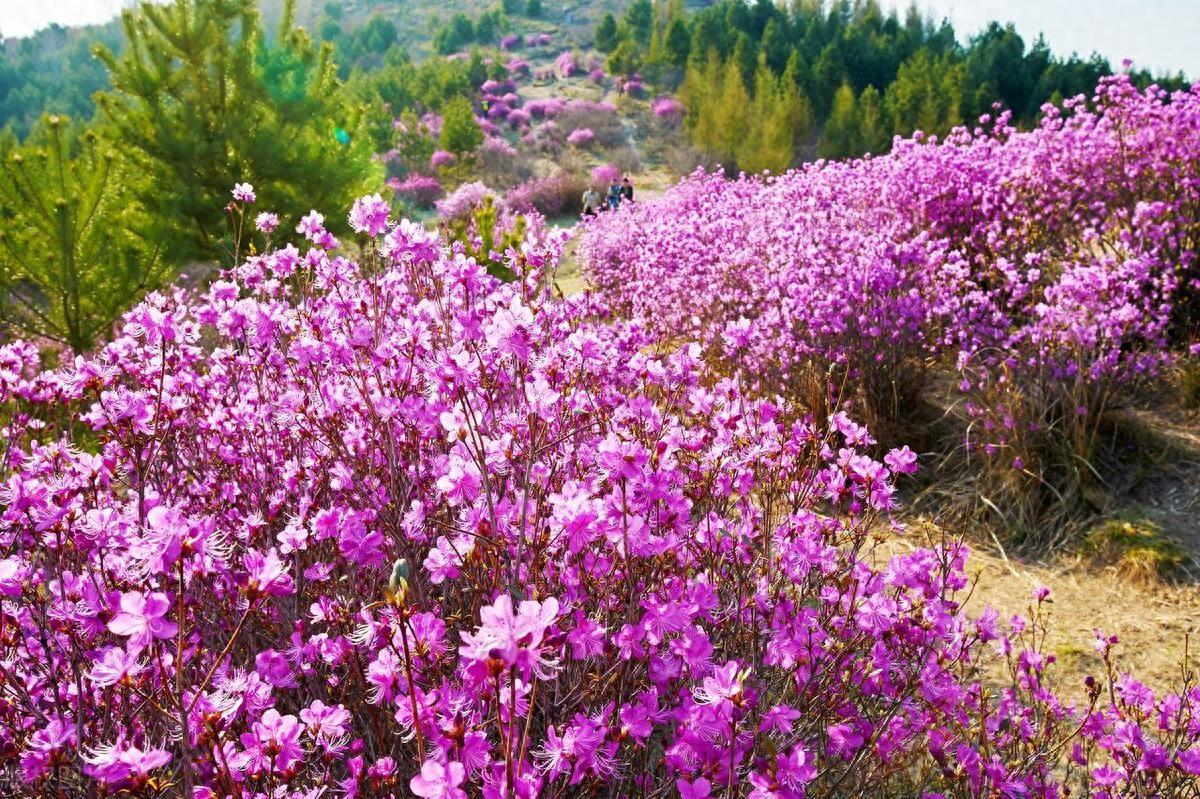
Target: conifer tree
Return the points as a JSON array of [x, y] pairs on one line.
[[74, 253], [677, 42], [700, 94], [460, 134], [639, 21], [765, 144], [873, 128], [927, 94], [730, 116], [607, 35], [841, 131], [201, 100]]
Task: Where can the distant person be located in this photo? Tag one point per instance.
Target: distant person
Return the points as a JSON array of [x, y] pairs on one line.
[[614, 196], [627, 189], [591, 202]]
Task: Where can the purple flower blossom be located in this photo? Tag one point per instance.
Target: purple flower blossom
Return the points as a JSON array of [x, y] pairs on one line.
[[142, 618], [439, 781], [370, 215], [243, 193], [267, 222]]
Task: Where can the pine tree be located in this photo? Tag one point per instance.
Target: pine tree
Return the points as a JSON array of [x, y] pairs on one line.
[[731, 114], [873, 127], [639, 21], [761, 147], [828, 74], [774, 46], [625, 60], [745, 56], [927, 94], [794, 116], [700, 95], [677, 42], [74, 254], [606, 34], [200, 101], [460, 134], [476, 68], [841, 131]]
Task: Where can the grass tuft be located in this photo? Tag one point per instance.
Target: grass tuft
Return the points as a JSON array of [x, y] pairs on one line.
[[1136, 547]]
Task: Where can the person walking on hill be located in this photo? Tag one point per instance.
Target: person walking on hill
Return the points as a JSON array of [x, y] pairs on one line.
[[591, 201], [626, 189], [614, 195]]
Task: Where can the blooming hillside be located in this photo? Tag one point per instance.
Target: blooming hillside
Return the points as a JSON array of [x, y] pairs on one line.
[[369, 522], [1045, 270]]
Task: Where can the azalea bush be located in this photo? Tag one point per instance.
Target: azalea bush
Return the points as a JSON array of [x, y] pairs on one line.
[[550, 195], [421, 190], [581, 137], [1047, 271], [392, 526]]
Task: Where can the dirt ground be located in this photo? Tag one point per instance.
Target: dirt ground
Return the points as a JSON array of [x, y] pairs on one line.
[[1153, 621]]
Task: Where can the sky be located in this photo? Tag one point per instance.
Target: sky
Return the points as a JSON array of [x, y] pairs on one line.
[[23, 17], [1161, 35]]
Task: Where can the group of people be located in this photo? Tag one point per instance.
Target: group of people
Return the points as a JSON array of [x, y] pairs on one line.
[[617, 193]]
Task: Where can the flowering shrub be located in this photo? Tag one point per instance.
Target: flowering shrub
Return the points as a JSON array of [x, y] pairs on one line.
[[581, 137], [566, 65], [600, 118], [489, 127], [497, 86], [422, 190], [551, 195], [370, 528], [606, 174], [460, 202], [667, 109], [440, 158], [498, 110], [517, 66], [1046, 268], [510, 42], [518, 118], [545, 108], [432, 122]]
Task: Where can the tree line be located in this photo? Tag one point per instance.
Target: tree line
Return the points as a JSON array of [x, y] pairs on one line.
[[768, 84]]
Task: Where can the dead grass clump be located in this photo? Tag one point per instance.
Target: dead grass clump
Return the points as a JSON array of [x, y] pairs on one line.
[[1136, 547], [1188, 380]]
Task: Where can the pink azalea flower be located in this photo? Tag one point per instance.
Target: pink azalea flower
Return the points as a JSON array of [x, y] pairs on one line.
[[439, 781], [142, 618]]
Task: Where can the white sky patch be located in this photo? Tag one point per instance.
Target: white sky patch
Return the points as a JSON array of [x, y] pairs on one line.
[[1160, 35], [23, 17]]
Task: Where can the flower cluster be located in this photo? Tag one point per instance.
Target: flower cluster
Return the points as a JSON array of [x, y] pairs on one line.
[[565, 65], [581, 137], [1046, 270], [459, 203], [423, 190], [667, 109], [360, 528]]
